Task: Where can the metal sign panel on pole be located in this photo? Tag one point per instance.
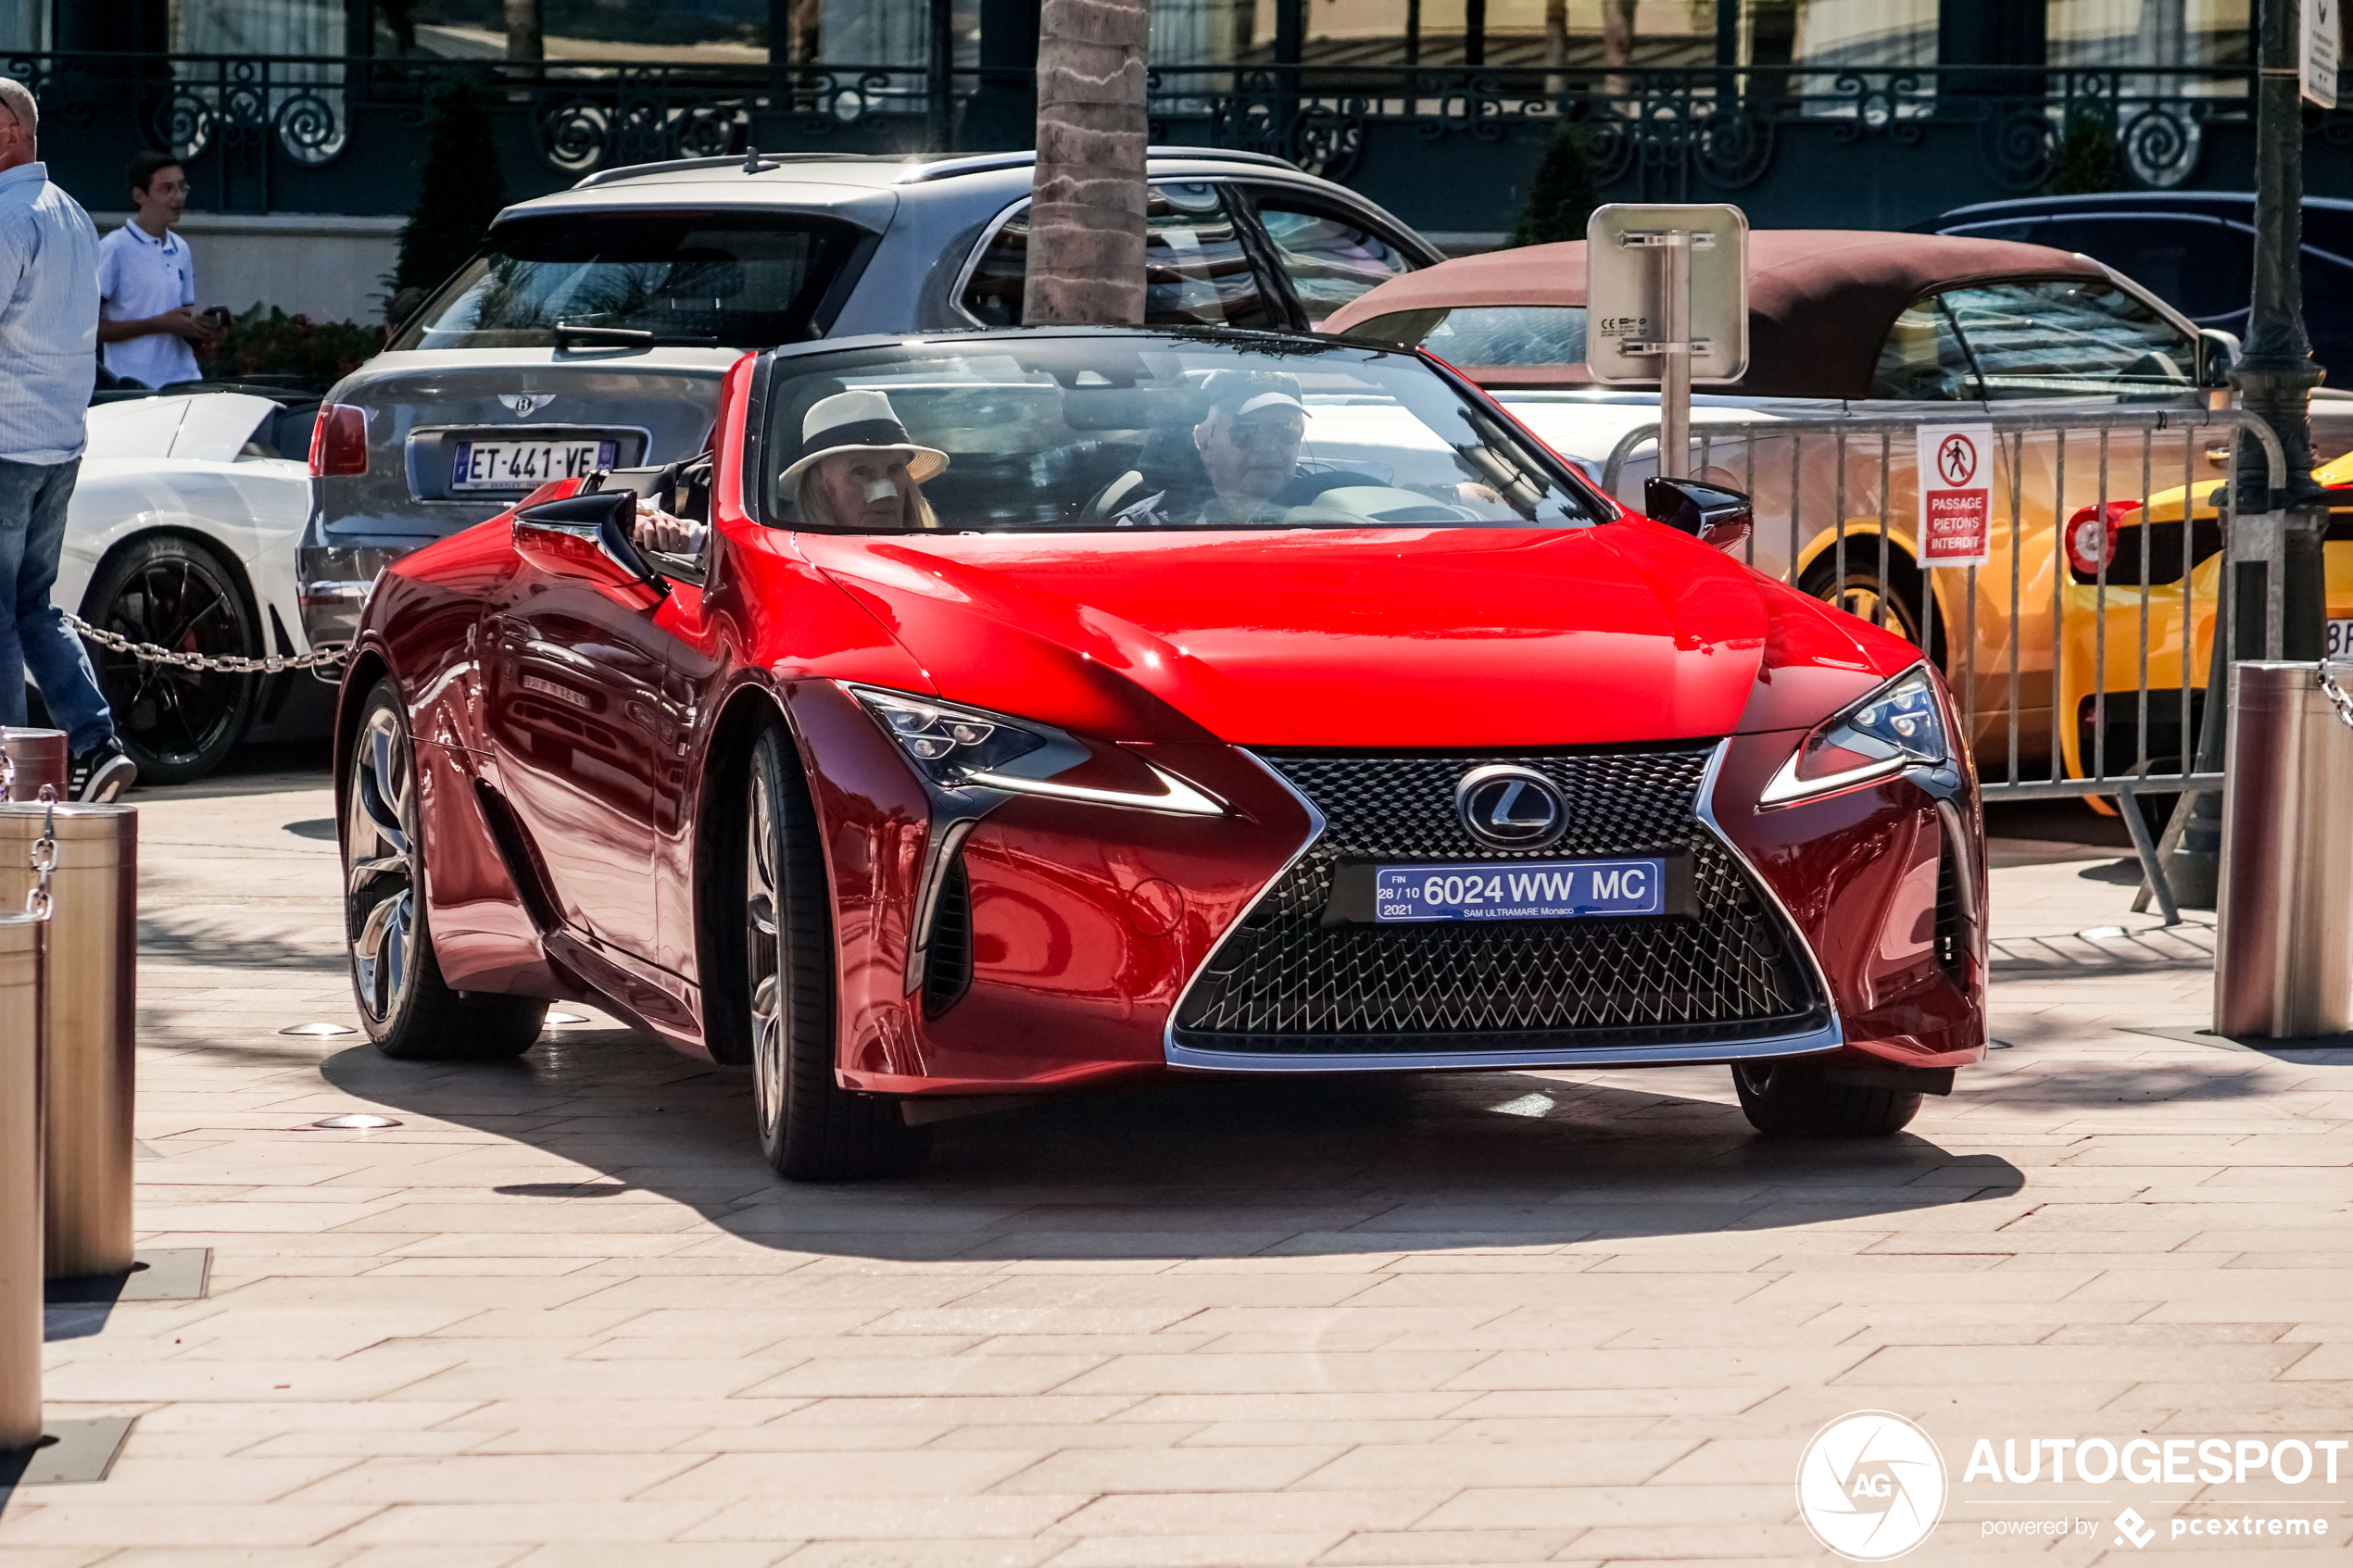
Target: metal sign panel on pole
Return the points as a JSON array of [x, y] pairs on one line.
[[2316, 71], [1667, 301]]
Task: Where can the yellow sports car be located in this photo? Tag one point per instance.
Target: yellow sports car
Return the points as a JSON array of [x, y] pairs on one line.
[[2099, 666]]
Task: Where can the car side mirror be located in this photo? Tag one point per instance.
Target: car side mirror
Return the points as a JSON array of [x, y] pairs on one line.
[[2218, 353], [588, 537], [1709, 513]]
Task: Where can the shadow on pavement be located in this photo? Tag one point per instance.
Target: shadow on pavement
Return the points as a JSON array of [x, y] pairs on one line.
[[1189, 1169]]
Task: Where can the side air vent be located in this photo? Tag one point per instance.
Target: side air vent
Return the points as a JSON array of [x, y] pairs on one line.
[[522, 863], [947, 962], [1952, 921]]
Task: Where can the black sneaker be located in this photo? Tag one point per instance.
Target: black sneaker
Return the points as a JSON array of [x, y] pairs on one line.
[[97, 775]]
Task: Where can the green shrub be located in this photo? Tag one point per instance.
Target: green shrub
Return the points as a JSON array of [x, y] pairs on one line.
[[1560, 192], [293, 351], [459, 190], [2086, 160]]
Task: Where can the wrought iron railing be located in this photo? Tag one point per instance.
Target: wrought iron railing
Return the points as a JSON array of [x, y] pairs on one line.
[[1669, 133]]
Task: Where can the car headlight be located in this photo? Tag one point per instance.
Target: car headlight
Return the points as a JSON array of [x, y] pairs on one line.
[[971, 748], [947, 744], [1898, 725]]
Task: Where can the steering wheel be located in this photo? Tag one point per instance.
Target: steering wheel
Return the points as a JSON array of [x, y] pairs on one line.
[[1105, 504]]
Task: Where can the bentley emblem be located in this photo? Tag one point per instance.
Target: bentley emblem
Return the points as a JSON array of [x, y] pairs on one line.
[[526, 404], [1507, 807]]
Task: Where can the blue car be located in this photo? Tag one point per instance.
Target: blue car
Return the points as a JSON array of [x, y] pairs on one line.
[[2193, 249]]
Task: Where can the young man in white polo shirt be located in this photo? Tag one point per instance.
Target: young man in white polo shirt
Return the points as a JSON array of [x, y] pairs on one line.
[[147, 282]]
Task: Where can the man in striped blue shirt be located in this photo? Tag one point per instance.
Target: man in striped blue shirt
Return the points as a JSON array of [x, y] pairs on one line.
[[49, 360]]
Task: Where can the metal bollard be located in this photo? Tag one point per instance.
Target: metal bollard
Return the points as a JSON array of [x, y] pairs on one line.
[[88, 1016], [20, 1182], [40, 757], [2283, 962]]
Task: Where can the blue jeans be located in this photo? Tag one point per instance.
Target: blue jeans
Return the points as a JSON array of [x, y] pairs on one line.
[[33, 636]]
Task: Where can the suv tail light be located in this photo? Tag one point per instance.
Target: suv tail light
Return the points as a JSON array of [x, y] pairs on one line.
[[339, 442]]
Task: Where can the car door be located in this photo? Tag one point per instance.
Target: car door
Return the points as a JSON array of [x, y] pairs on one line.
[[1198, 270], [583, 729], [1323, 254]]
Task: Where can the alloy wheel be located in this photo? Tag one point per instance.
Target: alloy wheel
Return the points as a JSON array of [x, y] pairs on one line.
[[380, 880], [174, 717], [763, 966]]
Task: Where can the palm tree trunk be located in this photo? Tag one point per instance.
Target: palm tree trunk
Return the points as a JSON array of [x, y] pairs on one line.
[[1617, 43], [1085, 245], [1555, 49], [524, 41]]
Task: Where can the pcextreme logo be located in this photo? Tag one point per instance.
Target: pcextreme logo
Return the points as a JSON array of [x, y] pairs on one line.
[[1871, 1485]]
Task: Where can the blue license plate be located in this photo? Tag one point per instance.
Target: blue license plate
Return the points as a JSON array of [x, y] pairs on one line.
[[1518, 890]]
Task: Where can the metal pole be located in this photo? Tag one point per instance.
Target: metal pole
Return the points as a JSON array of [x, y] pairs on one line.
[[20, 1182], [1675, 355], [88, 1017], [2276, 377], [39, 757], [2282, 968], [940, 83]]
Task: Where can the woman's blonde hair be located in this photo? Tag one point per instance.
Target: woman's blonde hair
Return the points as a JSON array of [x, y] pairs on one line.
[[813, 510]]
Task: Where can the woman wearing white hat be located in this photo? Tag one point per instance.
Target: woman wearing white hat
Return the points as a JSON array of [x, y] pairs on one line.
[[858, 468]]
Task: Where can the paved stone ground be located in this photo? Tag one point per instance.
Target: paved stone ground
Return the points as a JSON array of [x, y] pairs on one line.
[[562, 1315]]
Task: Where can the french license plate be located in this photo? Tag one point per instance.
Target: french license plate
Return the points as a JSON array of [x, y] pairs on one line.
[[525, 465], [1518, 890], [2341, 639]]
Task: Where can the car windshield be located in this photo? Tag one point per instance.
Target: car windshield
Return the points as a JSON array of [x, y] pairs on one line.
[[737, 280], [1490, 336], [1142, 430]]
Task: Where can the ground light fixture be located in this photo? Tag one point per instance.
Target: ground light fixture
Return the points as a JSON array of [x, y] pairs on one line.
[[318, 1030], [561, 1019], [359, 1124]]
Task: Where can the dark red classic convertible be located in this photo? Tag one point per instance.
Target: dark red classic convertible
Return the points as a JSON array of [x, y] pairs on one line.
[[1030, 710]]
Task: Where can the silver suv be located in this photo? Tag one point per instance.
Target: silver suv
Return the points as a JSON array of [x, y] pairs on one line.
[[591, 330]]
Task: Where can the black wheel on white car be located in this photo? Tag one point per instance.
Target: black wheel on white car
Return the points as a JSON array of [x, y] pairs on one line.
[[177, 593], [405, 1005], [1788, 1100], [810, 1128]]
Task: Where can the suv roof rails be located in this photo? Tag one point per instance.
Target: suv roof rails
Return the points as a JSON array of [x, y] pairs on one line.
[[948, 168], [748, 163]]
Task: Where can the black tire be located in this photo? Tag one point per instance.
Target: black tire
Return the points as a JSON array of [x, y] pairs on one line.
[[179, 593], [810, 1128], [404, 1004], [1893, 605], [1784, 1101]]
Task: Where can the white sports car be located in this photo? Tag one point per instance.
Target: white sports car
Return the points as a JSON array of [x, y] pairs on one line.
[[182, 533]]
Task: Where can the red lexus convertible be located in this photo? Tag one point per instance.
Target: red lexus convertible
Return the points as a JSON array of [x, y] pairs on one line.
[[1028, 710]]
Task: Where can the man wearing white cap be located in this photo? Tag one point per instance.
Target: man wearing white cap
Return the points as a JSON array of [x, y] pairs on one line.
[[1249, 444]]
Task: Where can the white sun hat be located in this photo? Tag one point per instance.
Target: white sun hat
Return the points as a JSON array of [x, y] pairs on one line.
[[862, 421]]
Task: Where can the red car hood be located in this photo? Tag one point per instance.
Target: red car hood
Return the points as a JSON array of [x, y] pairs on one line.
[[1470, 638]]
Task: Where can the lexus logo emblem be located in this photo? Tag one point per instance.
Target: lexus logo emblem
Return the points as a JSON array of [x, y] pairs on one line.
[[526, 404], [1507, 807]]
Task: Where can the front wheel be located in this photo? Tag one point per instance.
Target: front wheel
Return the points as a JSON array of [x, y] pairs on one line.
[[408, 1009], [1784, 1101], [810, 1128]]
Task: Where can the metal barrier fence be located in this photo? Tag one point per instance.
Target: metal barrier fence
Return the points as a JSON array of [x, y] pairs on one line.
[[2085, 640]]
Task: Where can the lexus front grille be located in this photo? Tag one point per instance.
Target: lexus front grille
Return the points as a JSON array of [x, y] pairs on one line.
[[1284, 980]]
